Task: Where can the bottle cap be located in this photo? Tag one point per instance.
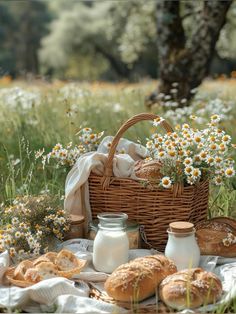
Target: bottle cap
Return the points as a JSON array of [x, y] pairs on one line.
[[181, 227], [76, 219]]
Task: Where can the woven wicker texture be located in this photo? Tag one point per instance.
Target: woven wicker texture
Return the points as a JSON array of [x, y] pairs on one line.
[[153, 209]]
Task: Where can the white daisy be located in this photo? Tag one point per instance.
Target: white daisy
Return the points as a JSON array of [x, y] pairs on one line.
[[229, 172], [188, 161], [158, 121], [166, 182]]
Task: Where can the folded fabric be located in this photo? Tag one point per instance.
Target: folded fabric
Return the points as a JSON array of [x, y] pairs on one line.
[[123, 166]]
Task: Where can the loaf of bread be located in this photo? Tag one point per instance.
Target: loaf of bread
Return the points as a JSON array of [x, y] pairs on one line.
[[149, 170], [139, 279], [190, 288], [217, 236]]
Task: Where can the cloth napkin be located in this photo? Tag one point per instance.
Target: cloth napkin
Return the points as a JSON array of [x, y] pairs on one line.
[[123, 166]]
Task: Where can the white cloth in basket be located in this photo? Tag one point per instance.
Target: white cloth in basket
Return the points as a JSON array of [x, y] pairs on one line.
[[123, 166]]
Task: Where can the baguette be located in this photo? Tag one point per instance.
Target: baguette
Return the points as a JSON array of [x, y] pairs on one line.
[[138, 279]]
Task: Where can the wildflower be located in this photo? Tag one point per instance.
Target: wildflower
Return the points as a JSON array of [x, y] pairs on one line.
[[17, 234], [188, 161], [229, 172], [215, 118], [210, 160], [196, 173], [188, 170], [218, 180], [171, 153], [203, 155], [226, 139], [158, 121], [193, 117], [166, 182]]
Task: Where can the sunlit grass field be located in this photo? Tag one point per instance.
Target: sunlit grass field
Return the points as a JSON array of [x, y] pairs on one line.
[[37, 115]]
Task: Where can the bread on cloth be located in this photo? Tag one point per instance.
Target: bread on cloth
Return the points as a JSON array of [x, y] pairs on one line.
[[190, 288], [138, 279], [217, 236], [50, 265], [149, 170]]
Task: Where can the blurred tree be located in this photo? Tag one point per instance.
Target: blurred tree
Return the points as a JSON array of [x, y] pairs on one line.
[[24, 23], [183, 60], [31, 18], [7, 26], [118, 32]]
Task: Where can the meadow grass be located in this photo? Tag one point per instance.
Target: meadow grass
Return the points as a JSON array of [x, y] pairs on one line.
[[62, 109]]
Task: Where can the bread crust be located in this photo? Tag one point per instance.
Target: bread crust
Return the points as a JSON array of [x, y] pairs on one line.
[[217, 236], [149, 170], [190, 288], [138, 279]]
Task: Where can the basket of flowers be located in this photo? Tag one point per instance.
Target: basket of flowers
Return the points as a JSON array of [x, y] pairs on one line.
[[188, 159]]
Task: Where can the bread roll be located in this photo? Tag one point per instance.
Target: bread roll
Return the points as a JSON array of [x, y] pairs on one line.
[[217, 236], [138, 279], [190, 288], [48, 257], [66, 260], [42, 271], [21, 269], [149, 170]]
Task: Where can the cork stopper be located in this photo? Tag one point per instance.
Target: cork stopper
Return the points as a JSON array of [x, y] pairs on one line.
[[181, 227], [76, 219]]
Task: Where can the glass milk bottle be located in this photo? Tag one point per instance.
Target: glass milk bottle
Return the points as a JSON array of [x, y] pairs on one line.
[[111, 244], [182, 247]]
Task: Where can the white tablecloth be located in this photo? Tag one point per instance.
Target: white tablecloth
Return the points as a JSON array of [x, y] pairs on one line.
[[61, 295]]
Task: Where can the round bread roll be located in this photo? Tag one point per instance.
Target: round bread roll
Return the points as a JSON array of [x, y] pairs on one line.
[[138, 279], [149, 170], [66, 260], [190, 288], [21, 269]]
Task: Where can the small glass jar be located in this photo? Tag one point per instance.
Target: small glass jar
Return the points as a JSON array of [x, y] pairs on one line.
[[132, 230], [111, 244], [182, 247], [76, 227]]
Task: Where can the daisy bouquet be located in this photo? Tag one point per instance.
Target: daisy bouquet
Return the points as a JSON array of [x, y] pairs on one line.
[[189, 155], [67, 155], [30, 224]]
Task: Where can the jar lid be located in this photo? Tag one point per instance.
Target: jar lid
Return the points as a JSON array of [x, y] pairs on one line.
[[76, 219], [181, 227], [130, 225]]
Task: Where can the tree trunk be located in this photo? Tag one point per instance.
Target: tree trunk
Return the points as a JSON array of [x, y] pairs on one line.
[[186, 62]]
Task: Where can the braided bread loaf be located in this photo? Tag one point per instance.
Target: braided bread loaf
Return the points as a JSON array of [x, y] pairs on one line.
[[190, 288], [139, 278]]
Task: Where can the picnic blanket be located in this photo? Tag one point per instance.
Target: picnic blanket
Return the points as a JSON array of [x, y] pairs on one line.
[[61, 295]]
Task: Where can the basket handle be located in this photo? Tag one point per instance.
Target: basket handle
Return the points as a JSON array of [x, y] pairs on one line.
[[108, 172]]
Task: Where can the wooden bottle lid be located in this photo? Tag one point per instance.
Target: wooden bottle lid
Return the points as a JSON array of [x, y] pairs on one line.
[[76, 219], [181, 227]]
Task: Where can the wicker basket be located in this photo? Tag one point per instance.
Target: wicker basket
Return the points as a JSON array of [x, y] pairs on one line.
[[152, 209]]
